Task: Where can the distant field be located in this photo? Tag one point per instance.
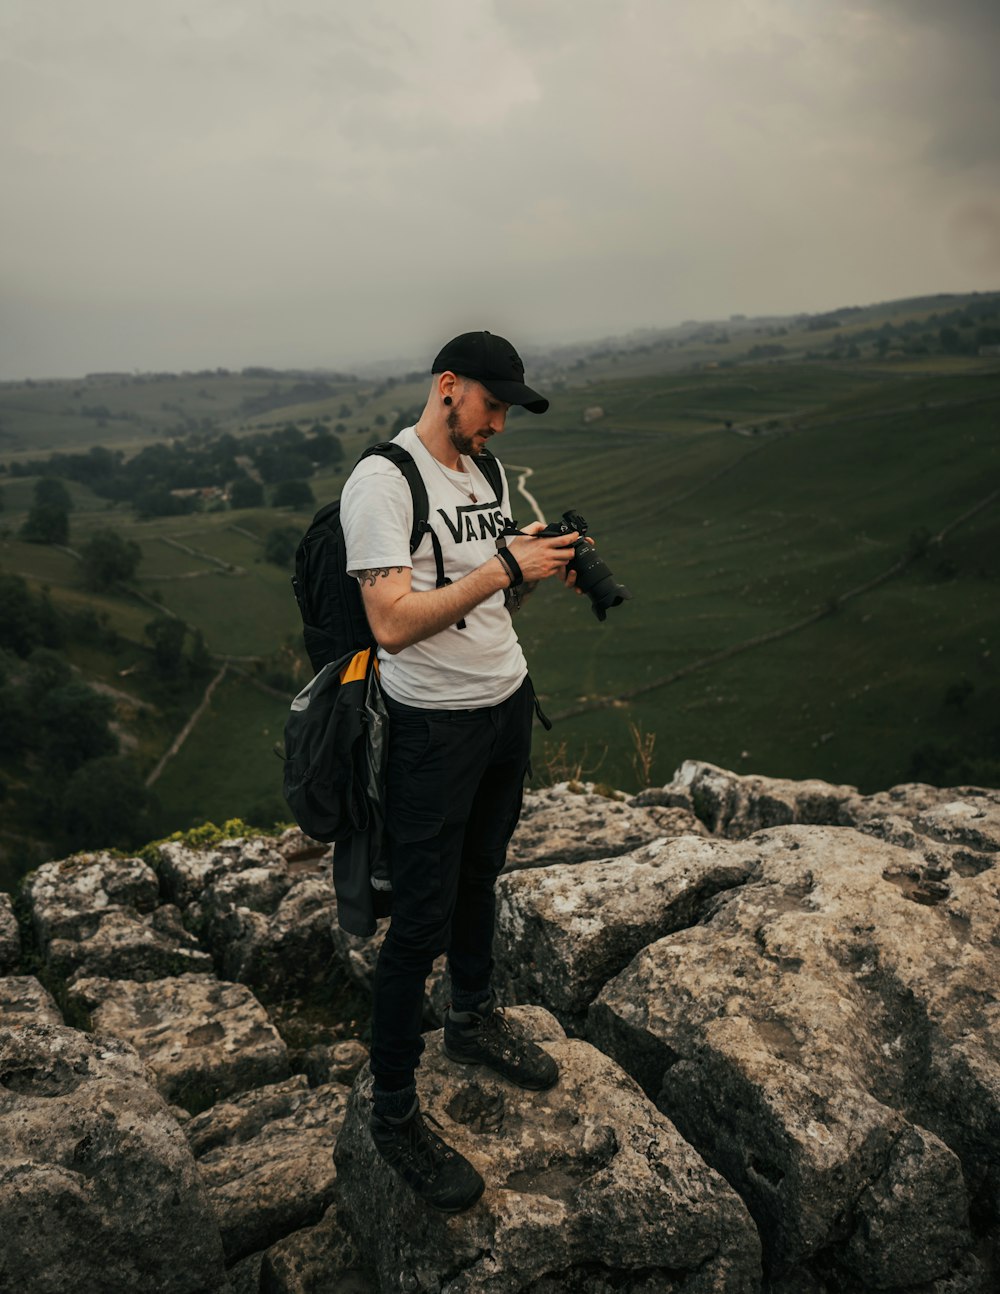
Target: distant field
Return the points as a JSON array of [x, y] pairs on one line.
[[768, 532], [231, 770], [825, 475]]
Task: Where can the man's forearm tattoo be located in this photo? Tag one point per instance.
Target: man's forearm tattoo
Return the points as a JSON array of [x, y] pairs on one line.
[[370, 576]]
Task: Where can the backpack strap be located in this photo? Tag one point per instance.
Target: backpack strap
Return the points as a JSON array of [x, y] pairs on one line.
[[484, 460], [403, 459], [490, 468]]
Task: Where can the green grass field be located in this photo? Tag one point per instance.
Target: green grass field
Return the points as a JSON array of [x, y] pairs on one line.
[[824, 477], [230, 770], [765, 531]]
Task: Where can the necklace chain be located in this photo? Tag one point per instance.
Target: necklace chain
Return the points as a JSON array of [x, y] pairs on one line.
[[469, 491]]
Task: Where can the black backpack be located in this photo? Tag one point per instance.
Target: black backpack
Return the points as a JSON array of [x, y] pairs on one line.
[[334, 624], [334, 724]]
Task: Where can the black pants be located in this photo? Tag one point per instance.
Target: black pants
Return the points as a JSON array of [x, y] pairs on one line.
[[454, 787]]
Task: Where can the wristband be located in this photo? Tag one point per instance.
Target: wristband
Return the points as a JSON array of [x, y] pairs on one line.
[[511, 564]]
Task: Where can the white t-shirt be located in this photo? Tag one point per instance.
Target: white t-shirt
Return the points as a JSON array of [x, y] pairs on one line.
[[456, 669]]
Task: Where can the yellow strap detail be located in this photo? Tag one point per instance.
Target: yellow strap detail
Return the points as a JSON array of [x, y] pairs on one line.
[[356, 667]]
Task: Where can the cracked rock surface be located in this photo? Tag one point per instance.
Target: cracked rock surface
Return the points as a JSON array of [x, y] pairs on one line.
[[790, 1082], [10, 936], [202, 1038], [68, 898], [267, 1160], [267, 928], [320, 1259], [570, 823], [126, 945], [98, 1189], [24, 1000], [564, 931], [186, 871], [829, 1039], [588, 1186]]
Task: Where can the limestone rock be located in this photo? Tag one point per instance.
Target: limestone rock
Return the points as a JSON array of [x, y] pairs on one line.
[[736, 806], [268, 921], [123, 944], [671, 820], [358, 955], [277, 936], [68, 898], [971, 819], [202, 1038], [564, 931], [339, 1062], [23, 1000], [829, 1040], [933, 858], [588, 1187], [911, 800], [322, 1259], [674, 795], [280, 1178], [98, 1189], [244, 1277], [298, 848], [186, 870], [231, 1122], [10, 937], [251, 889], [317, 1260], [567, 823]]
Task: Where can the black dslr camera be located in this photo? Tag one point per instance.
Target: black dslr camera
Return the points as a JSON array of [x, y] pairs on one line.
[[593, 575]]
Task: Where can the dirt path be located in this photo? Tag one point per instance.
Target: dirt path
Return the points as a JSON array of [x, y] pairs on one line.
[[185, 732], [117, 694], [525, 472]]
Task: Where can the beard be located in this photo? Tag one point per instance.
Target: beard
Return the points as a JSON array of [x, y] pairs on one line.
[[460, 439]]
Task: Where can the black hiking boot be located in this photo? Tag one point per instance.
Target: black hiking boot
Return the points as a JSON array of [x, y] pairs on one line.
[[440, 1176], [484, 1037]]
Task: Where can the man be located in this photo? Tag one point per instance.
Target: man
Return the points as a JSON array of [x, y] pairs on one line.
[[460, 710]]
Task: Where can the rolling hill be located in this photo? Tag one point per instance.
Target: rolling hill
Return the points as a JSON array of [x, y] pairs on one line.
[[810, 538]]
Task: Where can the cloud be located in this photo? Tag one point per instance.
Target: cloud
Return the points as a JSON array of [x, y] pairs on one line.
[[321, 180]]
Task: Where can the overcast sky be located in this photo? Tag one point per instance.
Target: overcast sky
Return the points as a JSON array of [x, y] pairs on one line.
[[194, 183]]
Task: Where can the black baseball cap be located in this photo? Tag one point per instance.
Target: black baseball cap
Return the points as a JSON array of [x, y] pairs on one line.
[[493, 361]]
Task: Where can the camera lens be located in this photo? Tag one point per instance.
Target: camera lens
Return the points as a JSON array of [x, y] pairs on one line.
[[594, 577]]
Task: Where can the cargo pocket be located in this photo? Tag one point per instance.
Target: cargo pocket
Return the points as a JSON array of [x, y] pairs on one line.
[[416, 870], [415, 781], [410, 739], [411, 830]]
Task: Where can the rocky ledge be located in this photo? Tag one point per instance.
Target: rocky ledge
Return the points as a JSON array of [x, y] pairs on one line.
[[775, 1005]]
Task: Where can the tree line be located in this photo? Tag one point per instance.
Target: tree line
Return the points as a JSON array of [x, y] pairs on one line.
[[153, 479]]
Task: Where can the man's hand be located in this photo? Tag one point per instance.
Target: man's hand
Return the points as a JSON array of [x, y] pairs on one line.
[[399, 617], [567, 576], [540, 558]]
